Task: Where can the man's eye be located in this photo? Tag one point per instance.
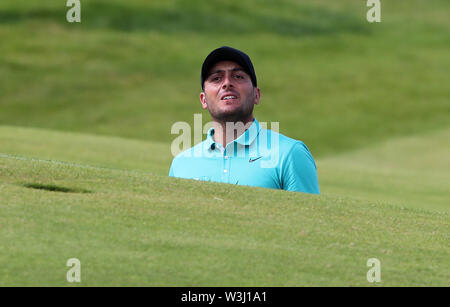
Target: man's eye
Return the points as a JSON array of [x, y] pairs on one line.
[[215, 78], [239, 77]]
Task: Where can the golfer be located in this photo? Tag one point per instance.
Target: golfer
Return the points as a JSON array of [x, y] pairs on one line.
[[238, 149]]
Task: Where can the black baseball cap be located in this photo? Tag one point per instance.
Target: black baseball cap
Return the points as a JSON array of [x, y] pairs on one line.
[[228, 54]]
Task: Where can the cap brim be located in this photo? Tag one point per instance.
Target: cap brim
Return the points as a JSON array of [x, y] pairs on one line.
[[219, 55]]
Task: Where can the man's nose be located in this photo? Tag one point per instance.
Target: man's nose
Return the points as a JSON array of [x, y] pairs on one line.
[[227, 82]]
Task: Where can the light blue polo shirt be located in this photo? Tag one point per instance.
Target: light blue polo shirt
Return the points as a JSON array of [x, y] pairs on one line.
[[259, 157]]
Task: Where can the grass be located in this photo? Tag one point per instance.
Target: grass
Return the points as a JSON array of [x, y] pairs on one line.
[[54, 188], [85, 117], [140, 227], [410, 171], [132, 70]]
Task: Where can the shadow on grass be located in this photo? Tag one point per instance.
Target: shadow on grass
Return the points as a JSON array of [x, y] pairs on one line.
[[206, 17], [54, 188]]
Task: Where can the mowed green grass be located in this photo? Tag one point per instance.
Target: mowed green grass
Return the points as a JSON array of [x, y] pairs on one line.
[[132, 69], [369, 100], [411, 171], [130, 224]]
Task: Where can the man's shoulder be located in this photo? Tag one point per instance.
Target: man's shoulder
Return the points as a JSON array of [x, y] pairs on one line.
[[286, 144], [296, 162]]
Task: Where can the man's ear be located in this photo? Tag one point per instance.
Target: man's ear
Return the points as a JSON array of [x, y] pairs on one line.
[[257, 95], [203, 100]]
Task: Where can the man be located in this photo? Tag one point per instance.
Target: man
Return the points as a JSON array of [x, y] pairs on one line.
[[238, 150]]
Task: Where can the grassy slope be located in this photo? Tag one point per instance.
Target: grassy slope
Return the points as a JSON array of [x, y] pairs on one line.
[[136, 228], [411, 171], [108, 152], [329, 77], [369, 100]]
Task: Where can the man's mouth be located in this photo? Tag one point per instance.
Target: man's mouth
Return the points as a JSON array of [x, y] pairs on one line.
[[228, 97]]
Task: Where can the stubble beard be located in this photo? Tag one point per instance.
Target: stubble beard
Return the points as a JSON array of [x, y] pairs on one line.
[[242, 114]]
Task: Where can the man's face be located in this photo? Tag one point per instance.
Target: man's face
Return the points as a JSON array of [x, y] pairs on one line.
[[229, 94]]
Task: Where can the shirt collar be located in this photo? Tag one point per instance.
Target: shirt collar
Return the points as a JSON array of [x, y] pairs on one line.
[[250, 134], [245, 138]]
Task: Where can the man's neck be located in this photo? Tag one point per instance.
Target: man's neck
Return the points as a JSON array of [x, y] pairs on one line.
[[226, 132]]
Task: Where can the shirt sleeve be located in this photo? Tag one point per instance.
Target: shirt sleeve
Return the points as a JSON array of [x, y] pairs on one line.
[[171, 174], [299, 172]]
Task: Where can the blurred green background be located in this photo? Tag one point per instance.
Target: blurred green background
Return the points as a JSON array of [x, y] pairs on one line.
[[132, 68]]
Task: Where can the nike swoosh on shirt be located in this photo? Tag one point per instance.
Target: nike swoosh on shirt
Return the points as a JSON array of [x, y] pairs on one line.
[[253, 160]]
